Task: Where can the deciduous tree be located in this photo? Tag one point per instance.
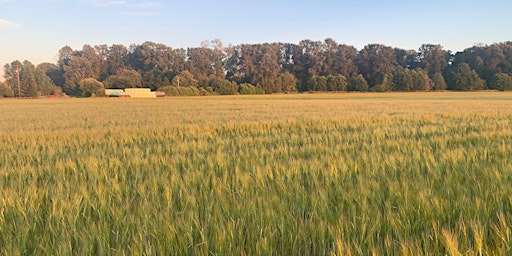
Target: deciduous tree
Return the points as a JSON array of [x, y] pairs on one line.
[[502, 82], [375, 61], [357, 83], [463, 78], [124, 78]]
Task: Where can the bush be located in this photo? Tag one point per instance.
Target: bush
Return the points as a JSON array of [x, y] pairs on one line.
[[6, 90], [182, 91], [223, 86], [92, 87], [247, 89]]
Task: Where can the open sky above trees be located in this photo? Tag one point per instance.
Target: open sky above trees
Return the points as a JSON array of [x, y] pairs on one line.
[[35, 30]]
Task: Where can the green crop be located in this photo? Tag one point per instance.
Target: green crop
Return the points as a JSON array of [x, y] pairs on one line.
[[335, 174]]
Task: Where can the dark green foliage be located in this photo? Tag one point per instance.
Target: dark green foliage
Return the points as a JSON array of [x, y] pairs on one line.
[[183, 91], [357, 83], [487, 60], [124, 78], [502, 82], [336, 83], [223, 86], [28, 81], [432, 58], [463, 78], [185, 79], [438, 82], [91, 87], [318, 83], [286, 83], [331, 83], [386, 85], [410, 80], [273, 67], [375, 61], [6, 90], [247, 89]]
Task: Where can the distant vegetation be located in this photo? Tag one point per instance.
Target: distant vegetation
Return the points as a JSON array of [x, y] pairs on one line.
[[310, 174], [309, 65]]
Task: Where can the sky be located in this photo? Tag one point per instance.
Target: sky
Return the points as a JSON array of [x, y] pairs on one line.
[[35, 30]]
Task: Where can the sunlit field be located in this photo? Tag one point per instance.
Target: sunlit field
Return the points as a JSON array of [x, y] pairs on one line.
[[309, 174]]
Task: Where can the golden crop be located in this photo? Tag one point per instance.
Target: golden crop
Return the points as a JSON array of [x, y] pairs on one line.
[[311, 174]]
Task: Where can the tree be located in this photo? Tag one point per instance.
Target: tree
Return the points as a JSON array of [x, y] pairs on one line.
[[53, 72], [116, 58], [463, 78], [157, 63], [386, 85], [78, 65], [433, 59], [223, 86], [421, 81], [287, 82], [502, 82], [328, 83], [402, 80], [204, 63], [336, 83], [94, 61], [318, 83], [267, 69], [124, 78], [438, 82], [184, 79], [246, 88], [406, 58], [91, 87], [65, 55], [307, 61], [11, 75], [486, 60], [375, 61], [45, 85], [336, 59], [410, 80], [75, 71], [357, 83], [28, 81]]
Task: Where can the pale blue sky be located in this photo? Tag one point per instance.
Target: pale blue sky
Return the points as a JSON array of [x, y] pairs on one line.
[[37, 29]]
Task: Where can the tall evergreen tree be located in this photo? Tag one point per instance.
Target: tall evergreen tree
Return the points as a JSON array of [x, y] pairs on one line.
[[28, 81]]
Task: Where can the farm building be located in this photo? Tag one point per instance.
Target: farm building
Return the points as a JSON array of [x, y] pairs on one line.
[[132, 93], [140, 92], [114, 92]]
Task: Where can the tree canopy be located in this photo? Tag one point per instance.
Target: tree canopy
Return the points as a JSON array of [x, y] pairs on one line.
[[269, 67]]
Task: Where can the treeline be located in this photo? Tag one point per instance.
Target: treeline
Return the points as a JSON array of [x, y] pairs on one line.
[[262, 68]]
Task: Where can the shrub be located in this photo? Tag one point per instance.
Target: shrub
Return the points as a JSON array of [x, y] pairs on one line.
[[247, 89], [182, 91], [223, 86], [92, 87], [6, 90]]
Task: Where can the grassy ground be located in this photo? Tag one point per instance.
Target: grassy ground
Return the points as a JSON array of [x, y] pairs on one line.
[[316, 174]]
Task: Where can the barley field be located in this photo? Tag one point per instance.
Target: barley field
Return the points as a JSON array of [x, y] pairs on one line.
[[312, 174]]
